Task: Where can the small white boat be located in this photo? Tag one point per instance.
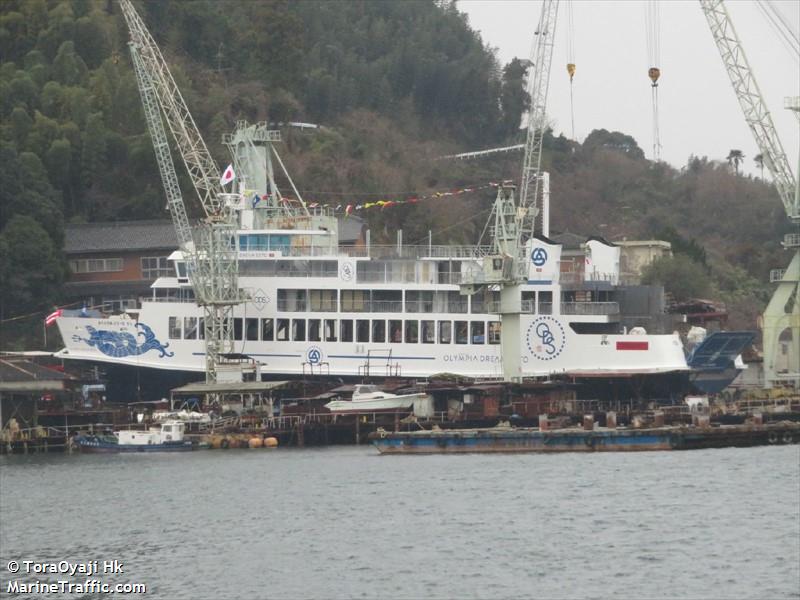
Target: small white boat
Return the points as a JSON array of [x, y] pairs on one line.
[[190, 416], [368, 398], [167, 437]]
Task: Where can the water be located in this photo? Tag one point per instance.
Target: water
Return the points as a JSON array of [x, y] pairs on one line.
[[346, 523]]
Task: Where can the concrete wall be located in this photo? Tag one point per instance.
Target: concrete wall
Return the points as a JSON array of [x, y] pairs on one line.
[[636, 255]]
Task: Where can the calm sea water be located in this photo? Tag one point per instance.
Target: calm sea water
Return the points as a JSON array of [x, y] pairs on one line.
[[347, 523]]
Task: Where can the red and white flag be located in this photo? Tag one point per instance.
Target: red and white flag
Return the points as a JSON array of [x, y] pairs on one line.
[[227, 176], [51, 318]]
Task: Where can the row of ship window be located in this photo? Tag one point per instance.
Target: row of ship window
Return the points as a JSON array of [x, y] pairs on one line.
[[375, 271], [410, 301], [152, 267], [409, 331]]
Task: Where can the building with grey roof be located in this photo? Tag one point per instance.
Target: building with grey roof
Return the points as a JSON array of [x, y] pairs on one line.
[[113, 264]]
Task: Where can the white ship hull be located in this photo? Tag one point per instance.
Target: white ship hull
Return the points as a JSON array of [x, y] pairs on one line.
[[548, 345]]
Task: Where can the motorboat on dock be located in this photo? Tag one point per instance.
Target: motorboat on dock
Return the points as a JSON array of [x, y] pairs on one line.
[[168, 437], [368, 398]]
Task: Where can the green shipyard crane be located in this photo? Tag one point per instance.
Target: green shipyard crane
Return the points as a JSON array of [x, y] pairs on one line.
[[209, 250], [783, 310]]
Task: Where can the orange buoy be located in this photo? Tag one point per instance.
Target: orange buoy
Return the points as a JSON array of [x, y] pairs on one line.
[[271, 442], [654, 73], [571, 70], [256, 442]]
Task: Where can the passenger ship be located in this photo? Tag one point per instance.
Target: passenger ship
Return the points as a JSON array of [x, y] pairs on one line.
[[316, 307]]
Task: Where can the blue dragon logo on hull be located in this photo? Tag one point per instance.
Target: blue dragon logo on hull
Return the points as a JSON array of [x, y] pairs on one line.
[[120, 344]]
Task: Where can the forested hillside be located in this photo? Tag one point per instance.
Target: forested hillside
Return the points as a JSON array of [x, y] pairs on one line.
[[393, 85]]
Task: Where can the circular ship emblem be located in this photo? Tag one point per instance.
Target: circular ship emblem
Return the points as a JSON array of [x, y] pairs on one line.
[[545, 338], [314, 355], [346, 271], [539, 257]]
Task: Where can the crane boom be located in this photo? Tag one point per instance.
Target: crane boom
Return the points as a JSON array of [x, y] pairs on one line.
[[166, 167], [199, 163], [538, 85], [752, 103]]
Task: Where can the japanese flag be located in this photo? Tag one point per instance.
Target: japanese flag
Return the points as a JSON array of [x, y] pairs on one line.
[[227, 176]]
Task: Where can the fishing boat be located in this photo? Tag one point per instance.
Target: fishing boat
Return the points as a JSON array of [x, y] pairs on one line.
[[316, 306], [168, 437], [369, 399]]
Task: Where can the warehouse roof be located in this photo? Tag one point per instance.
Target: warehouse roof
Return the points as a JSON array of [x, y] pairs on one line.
[[119, 235], [20, 375]]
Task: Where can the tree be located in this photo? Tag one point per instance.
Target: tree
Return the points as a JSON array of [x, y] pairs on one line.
[[680, 276], [38, 198], [734, 158], [680, 245], [21, 124], [514, 99], [68, 66], [25, 190], [52, 99], [93, 159], [613, 140], [58, 161], [90, 39], [32, 270], [759, 160], [23, 91]]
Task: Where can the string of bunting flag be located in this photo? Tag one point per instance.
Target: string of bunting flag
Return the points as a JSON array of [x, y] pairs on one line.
[[350, 208]]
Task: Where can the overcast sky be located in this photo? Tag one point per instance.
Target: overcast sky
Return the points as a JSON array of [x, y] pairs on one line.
[[699, 113]]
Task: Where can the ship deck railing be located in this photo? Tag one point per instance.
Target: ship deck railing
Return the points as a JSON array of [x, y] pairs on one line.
[[572, 308], [417, 252], [590, 308], [791, 240], [580, 277], [219, 424], [378, 251]]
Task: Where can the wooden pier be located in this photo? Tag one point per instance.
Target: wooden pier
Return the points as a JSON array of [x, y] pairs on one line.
[[34, 440]]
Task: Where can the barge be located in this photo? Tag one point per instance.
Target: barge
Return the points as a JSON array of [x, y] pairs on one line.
[[504, 438]]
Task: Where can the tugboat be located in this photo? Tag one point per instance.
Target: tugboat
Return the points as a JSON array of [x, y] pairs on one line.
[[166, 438]]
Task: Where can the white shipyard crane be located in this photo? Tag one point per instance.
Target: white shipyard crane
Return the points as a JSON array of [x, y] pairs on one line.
[[210, 255], [512, 222], [783, 310], [538, 86]]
